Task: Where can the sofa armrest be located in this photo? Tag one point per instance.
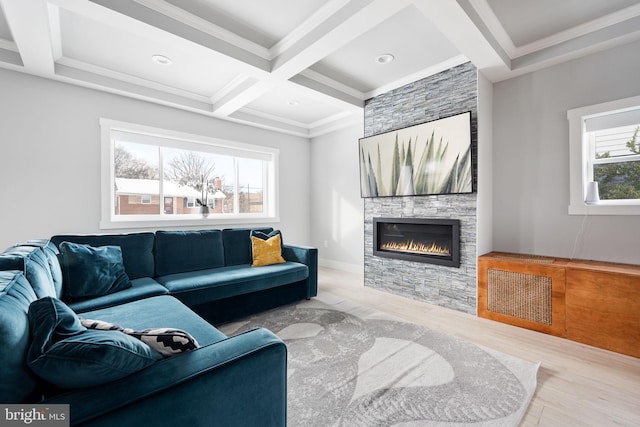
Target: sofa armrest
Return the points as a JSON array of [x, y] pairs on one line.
[[308, 256], [238, 381]]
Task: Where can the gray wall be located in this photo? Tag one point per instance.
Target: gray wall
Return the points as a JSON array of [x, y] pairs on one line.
[[50, 157], [444, 94], [336, 206], [531, 159], [485, 165]]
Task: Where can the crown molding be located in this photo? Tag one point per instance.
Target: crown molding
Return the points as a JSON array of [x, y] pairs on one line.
[[11, 60], [579, 30], [275, 118], [353, 120], [262, 120], [9, 45], [69, 63]]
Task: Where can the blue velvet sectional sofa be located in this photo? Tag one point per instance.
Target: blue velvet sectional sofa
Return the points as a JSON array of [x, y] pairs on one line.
[[187, 280]]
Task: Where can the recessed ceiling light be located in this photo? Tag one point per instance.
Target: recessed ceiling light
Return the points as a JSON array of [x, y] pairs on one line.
[[161, 59], [293, 103], [385, 58]]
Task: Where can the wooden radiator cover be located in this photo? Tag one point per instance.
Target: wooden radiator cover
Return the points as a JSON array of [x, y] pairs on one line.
[[595, 303], [522, 290]]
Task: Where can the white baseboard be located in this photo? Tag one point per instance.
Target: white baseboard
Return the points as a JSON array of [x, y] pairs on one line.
[[342, 266]]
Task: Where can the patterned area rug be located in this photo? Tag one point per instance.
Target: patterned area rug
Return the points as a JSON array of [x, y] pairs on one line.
[[344, 370]]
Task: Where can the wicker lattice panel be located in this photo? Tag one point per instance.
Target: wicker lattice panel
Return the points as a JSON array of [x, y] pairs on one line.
[[520, 295]]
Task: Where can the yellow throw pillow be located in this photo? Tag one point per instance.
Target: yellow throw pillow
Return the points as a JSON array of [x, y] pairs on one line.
[[266, 252]]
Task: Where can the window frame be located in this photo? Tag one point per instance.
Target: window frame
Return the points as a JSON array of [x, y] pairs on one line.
[[581, 165], [171, 138]]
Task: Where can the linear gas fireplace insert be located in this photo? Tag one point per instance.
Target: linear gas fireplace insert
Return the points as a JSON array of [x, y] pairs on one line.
[[430, 240]]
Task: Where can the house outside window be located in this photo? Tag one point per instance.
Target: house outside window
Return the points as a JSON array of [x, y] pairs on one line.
[[605, 149], [186, 172]]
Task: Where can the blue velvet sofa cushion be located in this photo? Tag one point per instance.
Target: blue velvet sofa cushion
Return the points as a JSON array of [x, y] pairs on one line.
[[17, 382], [137, 249], [66, 354], [158, 312], [51, 252], [237, 244], [92, 271], [33, 263], [198, 287], [144, 287], [181, 251]]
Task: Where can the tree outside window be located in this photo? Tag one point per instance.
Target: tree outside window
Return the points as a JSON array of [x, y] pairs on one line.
[[616, 167]]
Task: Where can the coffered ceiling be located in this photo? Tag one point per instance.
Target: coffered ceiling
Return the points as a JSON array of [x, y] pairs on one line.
[[303, 67]]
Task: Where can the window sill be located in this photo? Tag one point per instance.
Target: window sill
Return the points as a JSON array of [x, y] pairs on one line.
[[606, 208], [198, 221]]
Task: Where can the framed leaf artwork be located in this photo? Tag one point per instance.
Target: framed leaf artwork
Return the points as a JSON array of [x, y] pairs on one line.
[[429, 158]]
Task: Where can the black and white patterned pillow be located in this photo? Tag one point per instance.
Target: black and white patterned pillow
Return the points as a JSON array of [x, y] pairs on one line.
[[166, 341]]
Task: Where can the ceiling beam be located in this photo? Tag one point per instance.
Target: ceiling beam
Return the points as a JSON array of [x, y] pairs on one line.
[[352, 20], [461, 24], [244, 93], [29, 24]]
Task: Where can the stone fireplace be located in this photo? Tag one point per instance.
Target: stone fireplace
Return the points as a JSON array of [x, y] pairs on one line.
[[429, 240], [452, 284]]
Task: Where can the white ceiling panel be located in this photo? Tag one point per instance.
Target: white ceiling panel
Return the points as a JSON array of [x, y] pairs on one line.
[[407, 35], [104, 46]]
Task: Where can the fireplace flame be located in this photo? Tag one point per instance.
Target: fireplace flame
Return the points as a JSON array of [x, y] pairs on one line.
[[416, 248]]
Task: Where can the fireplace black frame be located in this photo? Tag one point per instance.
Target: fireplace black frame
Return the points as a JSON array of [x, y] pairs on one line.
[[453, 260]]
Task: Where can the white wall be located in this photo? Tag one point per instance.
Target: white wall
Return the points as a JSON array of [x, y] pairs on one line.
[[531, 159], [50, 157], [337, 211]]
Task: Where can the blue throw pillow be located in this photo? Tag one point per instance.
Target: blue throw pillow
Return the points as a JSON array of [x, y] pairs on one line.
[[92, 271], [66, 354]]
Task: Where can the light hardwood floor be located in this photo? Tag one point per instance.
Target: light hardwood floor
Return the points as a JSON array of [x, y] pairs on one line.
[[578, 385]]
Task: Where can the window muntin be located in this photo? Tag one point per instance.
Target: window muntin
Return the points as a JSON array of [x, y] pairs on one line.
[[195, 171], [605, 147]]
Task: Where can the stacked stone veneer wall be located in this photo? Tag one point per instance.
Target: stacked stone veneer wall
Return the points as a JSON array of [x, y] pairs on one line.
[[450, 92]]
